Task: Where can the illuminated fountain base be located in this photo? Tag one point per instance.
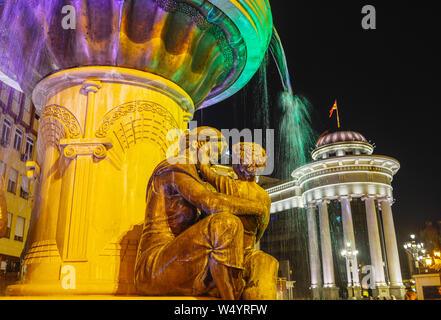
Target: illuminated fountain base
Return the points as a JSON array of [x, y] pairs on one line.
[[102, 132]]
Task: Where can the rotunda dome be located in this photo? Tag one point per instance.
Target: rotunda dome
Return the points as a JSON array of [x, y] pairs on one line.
[[340, 136], [341, 143]]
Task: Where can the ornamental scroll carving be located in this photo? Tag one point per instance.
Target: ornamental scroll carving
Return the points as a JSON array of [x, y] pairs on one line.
[[63, 115], [132, 107], [56, 123]]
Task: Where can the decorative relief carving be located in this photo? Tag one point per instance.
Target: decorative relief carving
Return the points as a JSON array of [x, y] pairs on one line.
[[138, 122], [49, 134], [93, 147], [346, 169], [56, 123], [42, 251], [129, 108], [63, 115]]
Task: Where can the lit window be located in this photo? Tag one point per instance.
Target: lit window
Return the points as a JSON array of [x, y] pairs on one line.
[[12, 181], [29, 148], [2, 168], [19, 228], [18, 139], [6, 133], [8, 228], [24, 189], [17, 96]]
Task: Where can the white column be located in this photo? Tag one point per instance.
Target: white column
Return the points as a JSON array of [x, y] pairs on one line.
[[348, 235], [374, 242], [314, 258], [325, 237], [393, 260]]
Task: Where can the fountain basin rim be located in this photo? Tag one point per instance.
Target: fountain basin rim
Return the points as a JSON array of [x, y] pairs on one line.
[[76, 76], [256, 28]]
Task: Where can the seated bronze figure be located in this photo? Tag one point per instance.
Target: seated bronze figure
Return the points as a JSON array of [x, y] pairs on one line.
[[248, 159], [183, 253]]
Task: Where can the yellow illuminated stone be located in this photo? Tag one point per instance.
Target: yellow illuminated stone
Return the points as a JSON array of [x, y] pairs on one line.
[[102, 132]]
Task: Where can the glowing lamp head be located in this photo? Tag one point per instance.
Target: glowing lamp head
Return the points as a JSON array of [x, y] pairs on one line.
[[412, 236], [429, 261], [437, 254]]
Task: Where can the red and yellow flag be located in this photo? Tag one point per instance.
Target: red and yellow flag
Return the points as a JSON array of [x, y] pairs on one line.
[[334, 107]]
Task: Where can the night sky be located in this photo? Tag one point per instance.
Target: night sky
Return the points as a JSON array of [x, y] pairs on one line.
[[385, 81]]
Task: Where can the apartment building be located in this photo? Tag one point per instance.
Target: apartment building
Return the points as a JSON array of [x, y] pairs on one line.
[[18, 136]]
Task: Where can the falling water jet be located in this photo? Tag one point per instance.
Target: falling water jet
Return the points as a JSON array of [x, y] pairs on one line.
[[296, 139], [296, 136]]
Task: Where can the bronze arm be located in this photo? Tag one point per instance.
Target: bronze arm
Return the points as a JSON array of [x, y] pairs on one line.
[[211, 202], [208, 174]]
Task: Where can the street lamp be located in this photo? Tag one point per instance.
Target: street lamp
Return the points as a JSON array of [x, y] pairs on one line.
[[416, 251], [350, 256]]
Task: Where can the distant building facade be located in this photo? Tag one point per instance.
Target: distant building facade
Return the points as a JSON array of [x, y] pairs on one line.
[[335, 202], [18, 136]]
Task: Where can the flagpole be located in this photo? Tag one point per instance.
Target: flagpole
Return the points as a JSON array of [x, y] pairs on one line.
[[338, 119]]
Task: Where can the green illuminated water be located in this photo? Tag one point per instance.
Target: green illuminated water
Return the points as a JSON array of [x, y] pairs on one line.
[[296, 136], [286, 237]]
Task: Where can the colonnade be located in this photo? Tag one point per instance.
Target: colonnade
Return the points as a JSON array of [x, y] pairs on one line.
[[323, 284]]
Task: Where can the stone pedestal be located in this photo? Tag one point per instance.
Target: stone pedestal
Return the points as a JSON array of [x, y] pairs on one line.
[[398, 292], [316, 293], [331, 293], [381, 292], [354, 293], [102, 132]]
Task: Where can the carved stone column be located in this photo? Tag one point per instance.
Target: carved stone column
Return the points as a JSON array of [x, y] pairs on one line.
[[381, 288], [349, 237], [396, 282], [314, 254], [330, 291]]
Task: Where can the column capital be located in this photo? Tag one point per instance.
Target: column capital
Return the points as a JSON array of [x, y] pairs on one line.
[[91, 84], [369, 196], [72, 148], [311, 205], [386, 199], [324, 200], [348, 197]]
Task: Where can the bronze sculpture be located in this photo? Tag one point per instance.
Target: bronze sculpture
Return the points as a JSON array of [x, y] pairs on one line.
[[181, 254], [248, 159]]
